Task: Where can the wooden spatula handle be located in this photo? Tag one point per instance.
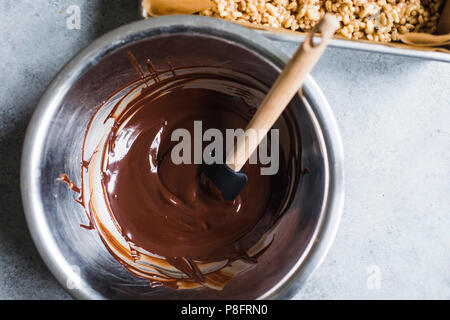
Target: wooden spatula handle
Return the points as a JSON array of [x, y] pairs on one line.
[[285, 87]]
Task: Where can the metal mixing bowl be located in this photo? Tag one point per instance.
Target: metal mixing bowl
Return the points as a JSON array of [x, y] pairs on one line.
[[53, 144]]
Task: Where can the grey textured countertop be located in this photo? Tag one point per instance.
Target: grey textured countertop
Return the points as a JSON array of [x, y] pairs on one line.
[[394, 117]]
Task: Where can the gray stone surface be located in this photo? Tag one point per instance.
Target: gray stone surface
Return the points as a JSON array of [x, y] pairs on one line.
[[394, 116]]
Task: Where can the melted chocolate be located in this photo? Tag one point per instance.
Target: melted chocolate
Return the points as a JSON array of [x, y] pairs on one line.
[[164, 208], [161, 206]]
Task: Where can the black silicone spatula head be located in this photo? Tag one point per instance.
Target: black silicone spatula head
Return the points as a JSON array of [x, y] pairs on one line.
[[226, 180]]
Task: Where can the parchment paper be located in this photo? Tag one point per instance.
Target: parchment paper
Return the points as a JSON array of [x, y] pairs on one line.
[[439, 42]]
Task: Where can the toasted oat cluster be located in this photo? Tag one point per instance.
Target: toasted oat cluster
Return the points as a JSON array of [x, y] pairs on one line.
[[376, 20]]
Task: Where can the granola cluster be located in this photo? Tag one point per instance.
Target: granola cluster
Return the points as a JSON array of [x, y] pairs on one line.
[[376, 20]]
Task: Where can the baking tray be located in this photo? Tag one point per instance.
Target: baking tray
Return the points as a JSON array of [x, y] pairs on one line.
[[348, 44], [364, 46]]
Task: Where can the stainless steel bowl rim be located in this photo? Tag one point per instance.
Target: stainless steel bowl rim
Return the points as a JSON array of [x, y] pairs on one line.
[[318, 108]]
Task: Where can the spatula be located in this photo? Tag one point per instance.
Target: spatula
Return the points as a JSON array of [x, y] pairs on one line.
[[227, 177]]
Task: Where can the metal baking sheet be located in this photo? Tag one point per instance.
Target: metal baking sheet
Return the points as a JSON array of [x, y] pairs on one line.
[[348, 44], [362, 46]]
